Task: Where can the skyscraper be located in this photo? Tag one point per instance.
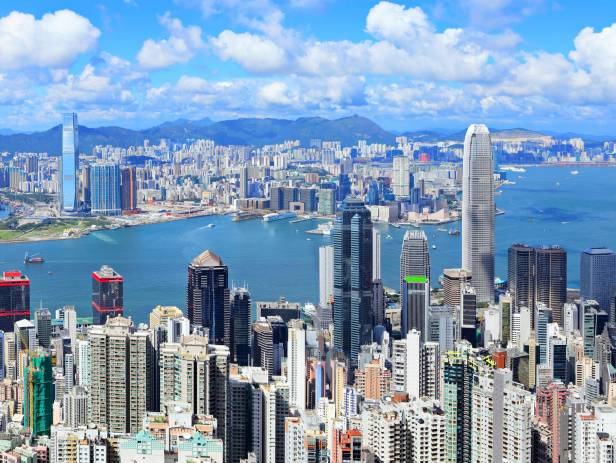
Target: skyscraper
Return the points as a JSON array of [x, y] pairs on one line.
[[598, 275], [326, 275], [70, 163], [243, 182], [107, 294], [120, 358], [551, 280], [401, 181], [478, 210], [296, 364], [415, 301], [353, 317], [453, 278], [38, 393], [42, 322], [105, 189], [241, 315], [207, 298], [521, 275], [14, 299], [129, 188], [414, 257]]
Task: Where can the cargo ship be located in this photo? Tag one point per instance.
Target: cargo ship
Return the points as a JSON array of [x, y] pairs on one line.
[[278, 216], [33, 259]]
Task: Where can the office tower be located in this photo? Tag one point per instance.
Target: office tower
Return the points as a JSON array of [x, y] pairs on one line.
[[241, 316], [491, 329], [543, 316], [120, 389], [105, 189], [14, 299], [327, 201], [42, 322], [67, 182], [353, 318], [308, 197], [344, 187], [161, 314], [598, 275], [376, 254], [414, 305], [593, 324], [414, 257], [129, 188], [478, 210], [243, 182], [521, 275], [296, 364], [69, 323], [506, 311], [453, 278], [458, 379], [86, 191], [467, 315], [281, 308], [25, 341], [379, 302], [262, 350], [38, 393], [441, 327], [551, 280], [401, 178], [558, 359], [326, 275], [75, 407], [207, 297], [501, 419], [107, 294]]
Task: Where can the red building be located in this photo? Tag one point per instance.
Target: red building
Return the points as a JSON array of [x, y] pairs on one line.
[[107, 294], [550, 400], [14, 299]]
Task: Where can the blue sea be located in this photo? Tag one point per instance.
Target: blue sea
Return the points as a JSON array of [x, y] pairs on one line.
[[547, 205]]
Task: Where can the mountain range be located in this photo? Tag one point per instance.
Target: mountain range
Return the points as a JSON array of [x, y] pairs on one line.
[[244, 131]]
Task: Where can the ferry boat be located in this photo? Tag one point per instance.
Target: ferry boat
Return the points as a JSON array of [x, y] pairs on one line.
[[274, 216], [574, 172], [512, 169], [33, 259]]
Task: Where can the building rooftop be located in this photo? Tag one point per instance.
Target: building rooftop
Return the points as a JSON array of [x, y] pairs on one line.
[[207, 259], [598, 251]]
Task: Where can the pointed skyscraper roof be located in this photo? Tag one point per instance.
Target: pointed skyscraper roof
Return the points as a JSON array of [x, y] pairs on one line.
[[207, 259]]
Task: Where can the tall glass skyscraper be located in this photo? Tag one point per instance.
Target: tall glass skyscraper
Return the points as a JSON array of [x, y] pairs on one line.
[[352, 314], [105, 189], [478, 210], [70, 163], [414, 257], [598, 275]]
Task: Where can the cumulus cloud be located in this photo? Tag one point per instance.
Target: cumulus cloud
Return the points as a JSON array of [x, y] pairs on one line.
[[180, 47], [53, 41], [252, 52]]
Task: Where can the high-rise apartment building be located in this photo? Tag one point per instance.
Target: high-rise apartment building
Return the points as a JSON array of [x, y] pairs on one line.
[[67, 182], [208, 295], [478, 210], [500, 419], [105, 189], [401, 181], [14, 299], [120, 362], [107, 294], [598, 275], [352, 312], [296, 364]]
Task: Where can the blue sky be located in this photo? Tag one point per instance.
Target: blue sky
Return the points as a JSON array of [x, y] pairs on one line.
[[543, 64]]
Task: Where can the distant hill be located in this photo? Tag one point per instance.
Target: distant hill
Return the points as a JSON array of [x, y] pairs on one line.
[[247, 131]]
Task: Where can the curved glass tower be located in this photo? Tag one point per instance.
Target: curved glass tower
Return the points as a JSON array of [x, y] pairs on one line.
[[70, 164], [478, 210]]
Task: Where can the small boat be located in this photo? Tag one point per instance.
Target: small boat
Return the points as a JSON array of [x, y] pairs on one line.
[[210, 225], [441, 229], [389, 237], [434, 246], [453, 231], [50, 273], [33, 259], [574, 172], [395, 225]]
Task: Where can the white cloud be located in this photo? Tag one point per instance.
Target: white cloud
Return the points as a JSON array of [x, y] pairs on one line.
[[253, 52], [180, 47], [54, 41]]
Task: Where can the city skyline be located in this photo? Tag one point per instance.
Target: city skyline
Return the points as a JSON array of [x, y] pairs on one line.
[[409, 65]]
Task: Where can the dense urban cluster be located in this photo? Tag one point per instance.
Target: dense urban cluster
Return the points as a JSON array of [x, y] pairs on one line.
[[466, 369]]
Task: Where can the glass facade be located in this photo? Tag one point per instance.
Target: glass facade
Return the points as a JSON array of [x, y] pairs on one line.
[[70, 163], [105, 189]]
